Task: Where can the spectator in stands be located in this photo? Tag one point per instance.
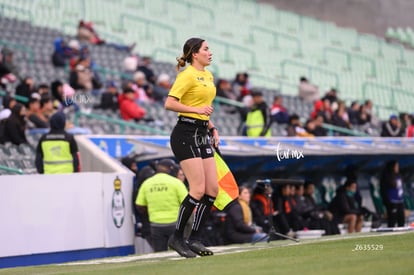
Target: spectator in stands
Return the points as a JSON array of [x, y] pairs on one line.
[[392, 128], [141, 87], [6, 77], [87, 34], [57, 151], [392, 193], [353, 112], [81, 78], [62, 53], [405, 119], [278, 112], [369, 108], [162, 87], [8, 104], [130, 110], [160, 197], [410, 128], [43, 89], [258, 119], [319, 131], [46, 107], [9, 72], [15, 126], [35, 117], [340, 118], [109, 99], [314, 127], [130, 65], [364, 119], [310, 126], [145, 67], [345, 208], [315, 216], [239, 226], [307, 91], [295, 128], [25, 89], [58, 96], [332, 96], [323, 107], [225, 90], [241, 85], [75, 49]]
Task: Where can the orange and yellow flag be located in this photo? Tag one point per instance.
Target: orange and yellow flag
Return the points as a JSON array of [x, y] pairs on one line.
[[228, 188]]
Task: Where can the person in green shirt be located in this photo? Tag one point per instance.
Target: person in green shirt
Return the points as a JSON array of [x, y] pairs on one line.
[[160, 197]]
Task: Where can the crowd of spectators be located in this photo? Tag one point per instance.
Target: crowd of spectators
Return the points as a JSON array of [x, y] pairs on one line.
[[138, 86], [328, 110]]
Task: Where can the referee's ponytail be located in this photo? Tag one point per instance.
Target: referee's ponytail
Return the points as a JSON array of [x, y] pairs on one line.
[[191, 46]]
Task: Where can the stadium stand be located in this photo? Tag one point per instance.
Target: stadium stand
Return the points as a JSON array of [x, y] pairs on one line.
[[274, 45]]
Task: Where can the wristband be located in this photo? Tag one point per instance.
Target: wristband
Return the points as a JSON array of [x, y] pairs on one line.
[[212, 129]]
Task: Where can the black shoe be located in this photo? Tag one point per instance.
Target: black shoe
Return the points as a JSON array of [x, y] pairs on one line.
[[179, 245], [199, 248]]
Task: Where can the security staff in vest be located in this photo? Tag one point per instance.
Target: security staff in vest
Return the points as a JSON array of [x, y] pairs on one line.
[[57, 151], [160, 197], [258, 118]]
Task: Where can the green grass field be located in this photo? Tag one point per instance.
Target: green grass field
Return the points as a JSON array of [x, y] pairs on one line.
[[389, 253]]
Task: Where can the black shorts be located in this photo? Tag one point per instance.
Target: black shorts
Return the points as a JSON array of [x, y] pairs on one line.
[[190, 140]]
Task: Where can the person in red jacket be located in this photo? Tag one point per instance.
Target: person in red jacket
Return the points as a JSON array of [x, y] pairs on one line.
[[410, 128], [130, 110]]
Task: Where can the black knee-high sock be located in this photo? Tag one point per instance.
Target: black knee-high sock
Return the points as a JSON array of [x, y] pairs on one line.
[[184, 213], [201, 215]]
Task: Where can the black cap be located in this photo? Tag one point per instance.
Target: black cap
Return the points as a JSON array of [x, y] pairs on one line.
[[168, 163]]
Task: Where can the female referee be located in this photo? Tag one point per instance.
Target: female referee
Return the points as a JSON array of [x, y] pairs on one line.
[[191, 96]]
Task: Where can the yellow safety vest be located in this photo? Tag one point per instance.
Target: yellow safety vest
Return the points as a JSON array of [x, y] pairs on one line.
[[255, 123], [57, 158]]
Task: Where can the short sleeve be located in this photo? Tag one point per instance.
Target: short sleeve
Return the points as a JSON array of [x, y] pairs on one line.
[[181, 85], [141, 199]]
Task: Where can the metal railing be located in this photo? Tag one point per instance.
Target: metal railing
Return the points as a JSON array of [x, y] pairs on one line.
[[19, 47], [219, 99], [12, 170], [332, 129], [149, 25], [190, 7], [276, 36], [391, 92], [401, 70], [310, 68], [20, 11], [122, 123], [230, 47], [350, 57], [17, 97]]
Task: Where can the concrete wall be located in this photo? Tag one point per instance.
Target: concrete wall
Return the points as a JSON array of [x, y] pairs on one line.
[[370, 16]]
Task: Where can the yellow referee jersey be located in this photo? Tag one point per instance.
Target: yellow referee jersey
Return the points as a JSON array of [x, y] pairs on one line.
[[194, 88]]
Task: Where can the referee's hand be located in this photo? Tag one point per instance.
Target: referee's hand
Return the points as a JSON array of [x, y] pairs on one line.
[[206, 110]]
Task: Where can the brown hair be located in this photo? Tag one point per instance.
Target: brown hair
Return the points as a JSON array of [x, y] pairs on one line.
[[191, 46], [243, 187]]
